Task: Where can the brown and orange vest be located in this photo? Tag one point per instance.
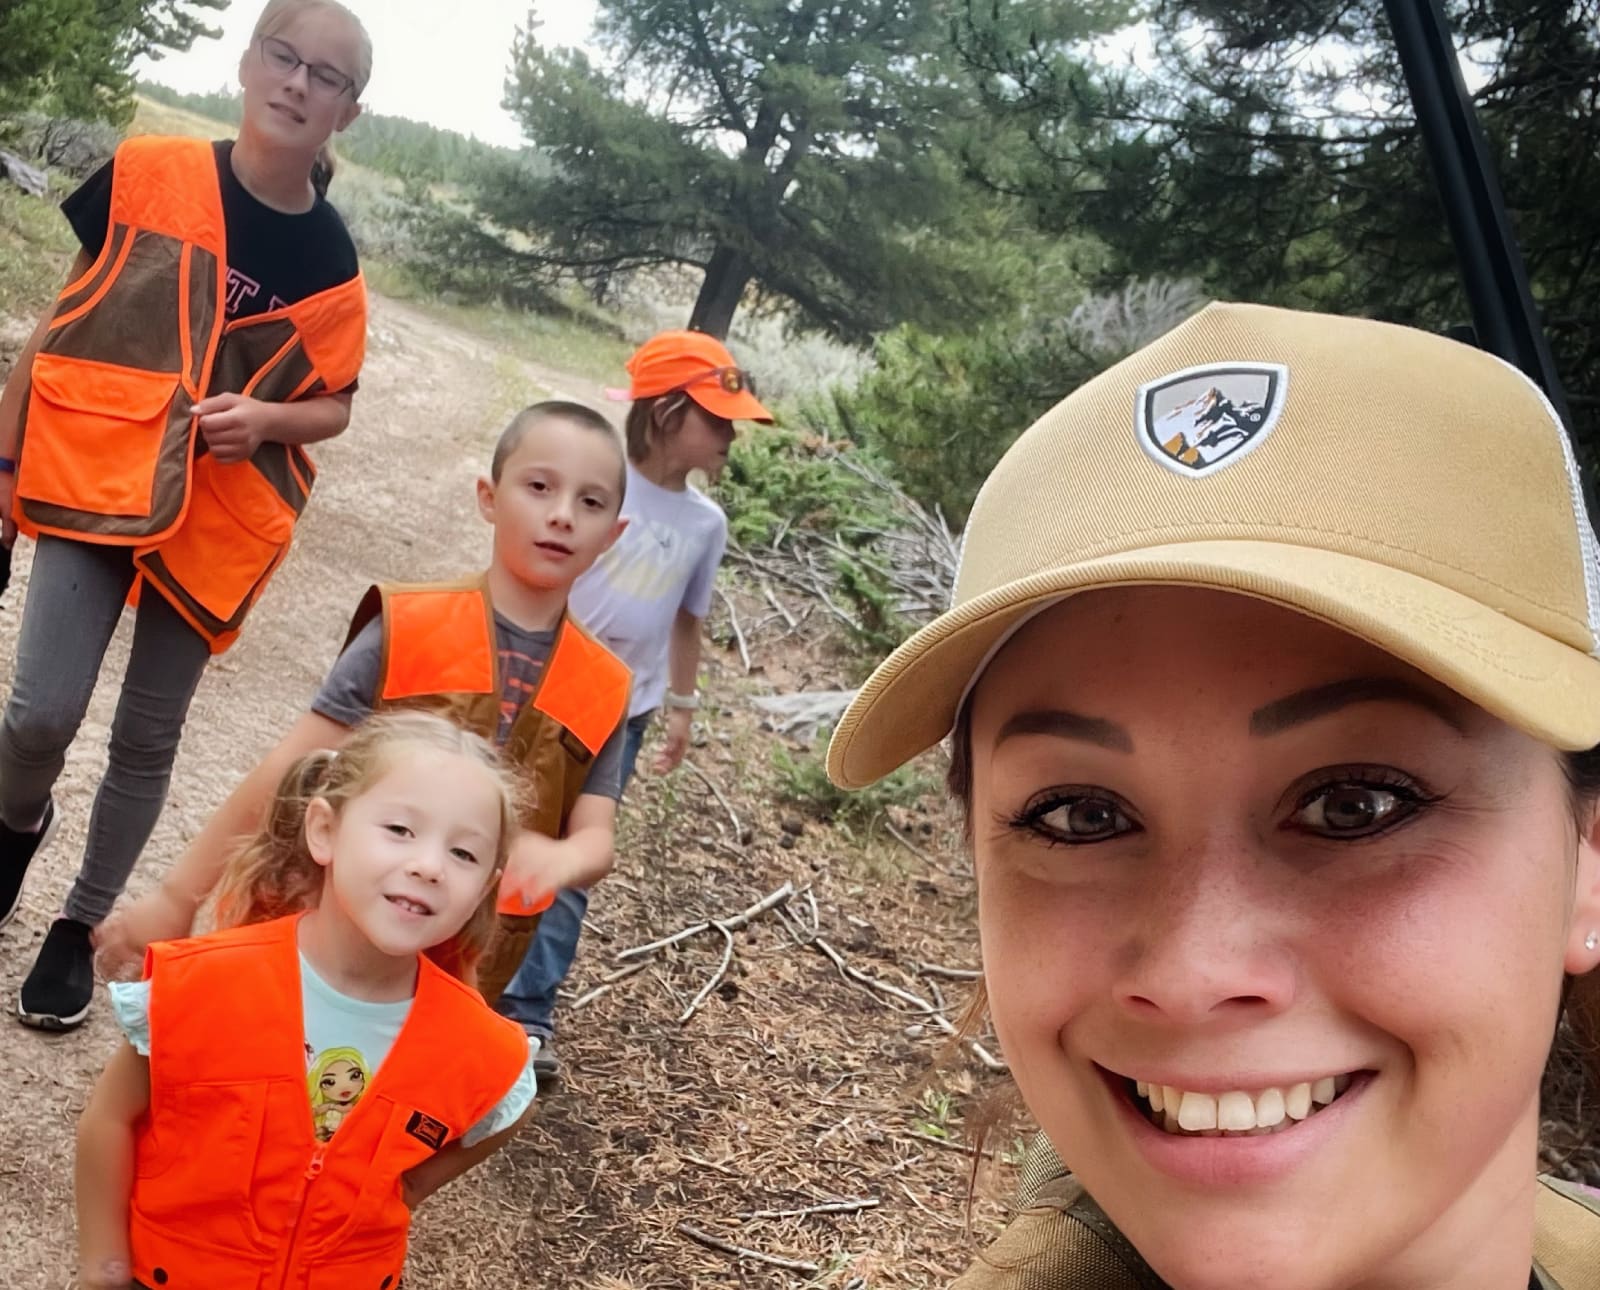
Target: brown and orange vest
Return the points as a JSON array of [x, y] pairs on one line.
[[1061, 1240], [439, 653], [231, 1188], [109, 447]]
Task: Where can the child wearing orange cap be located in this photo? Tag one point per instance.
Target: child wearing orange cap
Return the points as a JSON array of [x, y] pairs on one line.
[[646, 596]]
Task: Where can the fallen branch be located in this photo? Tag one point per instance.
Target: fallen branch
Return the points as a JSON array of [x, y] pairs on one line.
[[828, 1207], [606, 982], [949, 973], [772, 599], [738, 829], [770, 901], [740, 1252], [738, 632], [908, 844], [722, 971], [937, 1018]]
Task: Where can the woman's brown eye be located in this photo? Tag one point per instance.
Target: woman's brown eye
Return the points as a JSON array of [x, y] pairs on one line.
[[1083, 819], [1350, 810]]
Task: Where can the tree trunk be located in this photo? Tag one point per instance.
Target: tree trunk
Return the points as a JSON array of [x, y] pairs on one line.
[[727, 276]]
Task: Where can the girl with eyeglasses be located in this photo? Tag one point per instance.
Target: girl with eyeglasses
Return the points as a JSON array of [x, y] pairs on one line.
[[152, 442], [646, 596]]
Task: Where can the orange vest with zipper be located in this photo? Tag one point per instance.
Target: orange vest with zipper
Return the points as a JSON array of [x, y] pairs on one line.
[[439, 653], [110, 449], [231, 1188]]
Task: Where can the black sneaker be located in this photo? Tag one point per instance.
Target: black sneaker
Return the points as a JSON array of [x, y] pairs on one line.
[[546, 1066], [17, 850], [58, 991]]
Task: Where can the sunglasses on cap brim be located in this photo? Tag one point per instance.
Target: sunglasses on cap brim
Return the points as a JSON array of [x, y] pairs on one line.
[[733, 380]]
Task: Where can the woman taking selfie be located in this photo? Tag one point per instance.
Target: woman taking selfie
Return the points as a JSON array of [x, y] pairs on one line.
[[1273, 686]]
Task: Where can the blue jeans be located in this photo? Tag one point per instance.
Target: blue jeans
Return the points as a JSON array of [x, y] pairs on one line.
[[530, 998]]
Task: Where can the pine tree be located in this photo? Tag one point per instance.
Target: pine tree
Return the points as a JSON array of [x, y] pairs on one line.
[[794, 149], [79, 53]]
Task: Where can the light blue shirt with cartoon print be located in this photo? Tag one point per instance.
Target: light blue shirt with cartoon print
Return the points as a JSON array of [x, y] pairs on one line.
[[346, 1041]]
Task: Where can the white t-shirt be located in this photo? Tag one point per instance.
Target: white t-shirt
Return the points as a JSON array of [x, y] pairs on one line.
[[665, 560], [346, 1041]]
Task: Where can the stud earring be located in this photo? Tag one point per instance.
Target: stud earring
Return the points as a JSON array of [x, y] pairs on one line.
[[1592, 941]]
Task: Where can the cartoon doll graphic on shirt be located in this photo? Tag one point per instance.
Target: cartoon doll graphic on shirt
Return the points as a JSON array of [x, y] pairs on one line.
[[336, 1080]]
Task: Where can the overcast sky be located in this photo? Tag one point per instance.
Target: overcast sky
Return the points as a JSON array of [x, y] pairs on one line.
[[442, 61]]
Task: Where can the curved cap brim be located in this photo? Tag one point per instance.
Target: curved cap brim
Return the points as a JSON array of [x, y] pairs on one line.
[[735, 405], [1540, 685]]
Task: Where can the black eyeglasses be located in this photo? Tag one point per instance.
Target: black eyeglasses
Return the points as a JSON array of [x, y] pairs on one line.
[[325, 81]]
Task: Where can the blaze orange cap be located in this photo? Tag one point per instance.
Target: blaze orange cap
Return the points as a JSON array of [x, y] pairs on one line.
[[700, 366]]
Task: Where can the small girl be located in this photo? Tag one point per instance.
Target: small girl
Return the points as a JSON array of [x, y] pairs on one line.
[[292, 1087], [152, 441], [647, 595]]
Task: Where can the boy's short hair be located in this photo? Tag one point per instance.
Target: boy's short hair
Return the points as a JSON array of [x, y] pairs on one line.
[[580, 414]]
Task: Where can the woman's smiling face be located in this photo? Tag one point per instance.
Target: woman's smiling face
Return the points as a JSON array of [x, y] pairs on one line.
[[1242, 866]]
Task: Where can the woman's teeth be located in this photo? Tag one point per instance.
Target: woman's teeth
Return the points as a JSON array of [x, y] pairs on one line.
[[1270, 1110]]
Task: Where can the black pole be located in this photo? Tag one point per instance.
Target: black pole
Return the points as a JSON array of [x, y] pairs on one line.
[[1503, 312]]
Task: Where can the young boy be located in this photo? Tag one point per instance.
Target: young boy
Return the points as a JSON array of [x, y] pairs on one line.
[[496, 652]]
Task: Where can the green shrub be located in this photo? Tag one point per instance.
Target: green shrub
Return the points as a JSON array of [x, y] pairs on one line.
[[802, 780], [941, 410]]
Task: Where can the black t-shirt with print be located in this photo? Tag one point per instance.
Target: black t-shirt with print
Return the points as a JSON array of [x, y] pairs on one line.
[[274, 259]]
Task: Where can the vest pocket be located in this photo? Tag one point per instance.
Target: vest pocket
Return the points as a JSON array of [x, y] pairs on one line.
[[236, 531], [94, 436], [203, 1195]]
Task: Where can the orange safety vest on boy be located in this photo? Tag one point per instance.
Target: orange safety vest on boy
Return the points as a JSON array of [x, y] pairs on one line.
[[439, 653], [109, 440], [231, 1188]]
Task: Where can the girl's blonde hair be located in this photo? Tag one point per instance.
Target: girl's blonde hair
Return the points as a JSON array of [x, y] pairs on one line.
[[275, 874], [277, 15]]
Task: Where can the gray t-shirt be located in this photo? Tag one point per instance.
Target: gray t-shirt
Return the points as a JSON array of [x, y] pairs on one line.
[[350, 691], [665, 560]]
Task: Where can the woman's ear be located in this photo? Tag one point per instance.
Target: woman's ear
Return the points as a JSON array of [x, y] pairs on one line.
[[1583, 937], [322, 823]]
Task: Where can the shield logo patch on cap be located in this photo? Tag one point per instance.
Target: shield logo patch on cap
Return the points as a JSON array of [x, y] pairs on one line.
[[1203, 418]]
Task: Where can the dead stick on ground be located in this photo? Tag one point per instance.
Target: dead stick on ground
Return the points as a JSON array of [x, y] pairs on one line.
[[949, 973], [828, 1207], [739, 1251], [777, 604], [722, 971], [738, 829], [606, 983], [908, 844], [989, 1060], [770, 901], [738, 632]]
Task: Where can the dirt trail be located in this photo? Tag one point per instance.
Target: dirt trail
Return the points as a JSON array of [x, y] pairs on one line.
[[789, 1085]]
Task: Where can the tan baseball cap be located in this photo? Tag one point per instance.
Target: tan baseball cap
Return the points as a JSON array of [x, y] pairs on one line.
[[1413, 491]]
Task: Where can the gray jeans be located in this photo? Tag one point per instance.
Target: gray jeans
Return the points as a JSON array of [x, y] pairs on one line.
[[75, 597]]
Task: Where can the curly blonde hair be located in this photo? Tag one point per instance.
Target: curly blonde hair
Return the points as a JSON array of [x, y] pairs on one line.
[[275, 874]]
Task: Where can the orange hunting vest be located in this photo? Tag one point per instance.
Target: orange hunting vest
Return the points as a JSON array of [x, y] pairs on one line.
[[231, 1188], [110, 449], [439, 653]]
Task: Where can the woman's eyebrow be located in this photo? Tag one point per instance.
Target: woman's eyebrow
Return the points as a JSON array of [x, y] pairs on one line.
[[1321, 700], [1066, 725]]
